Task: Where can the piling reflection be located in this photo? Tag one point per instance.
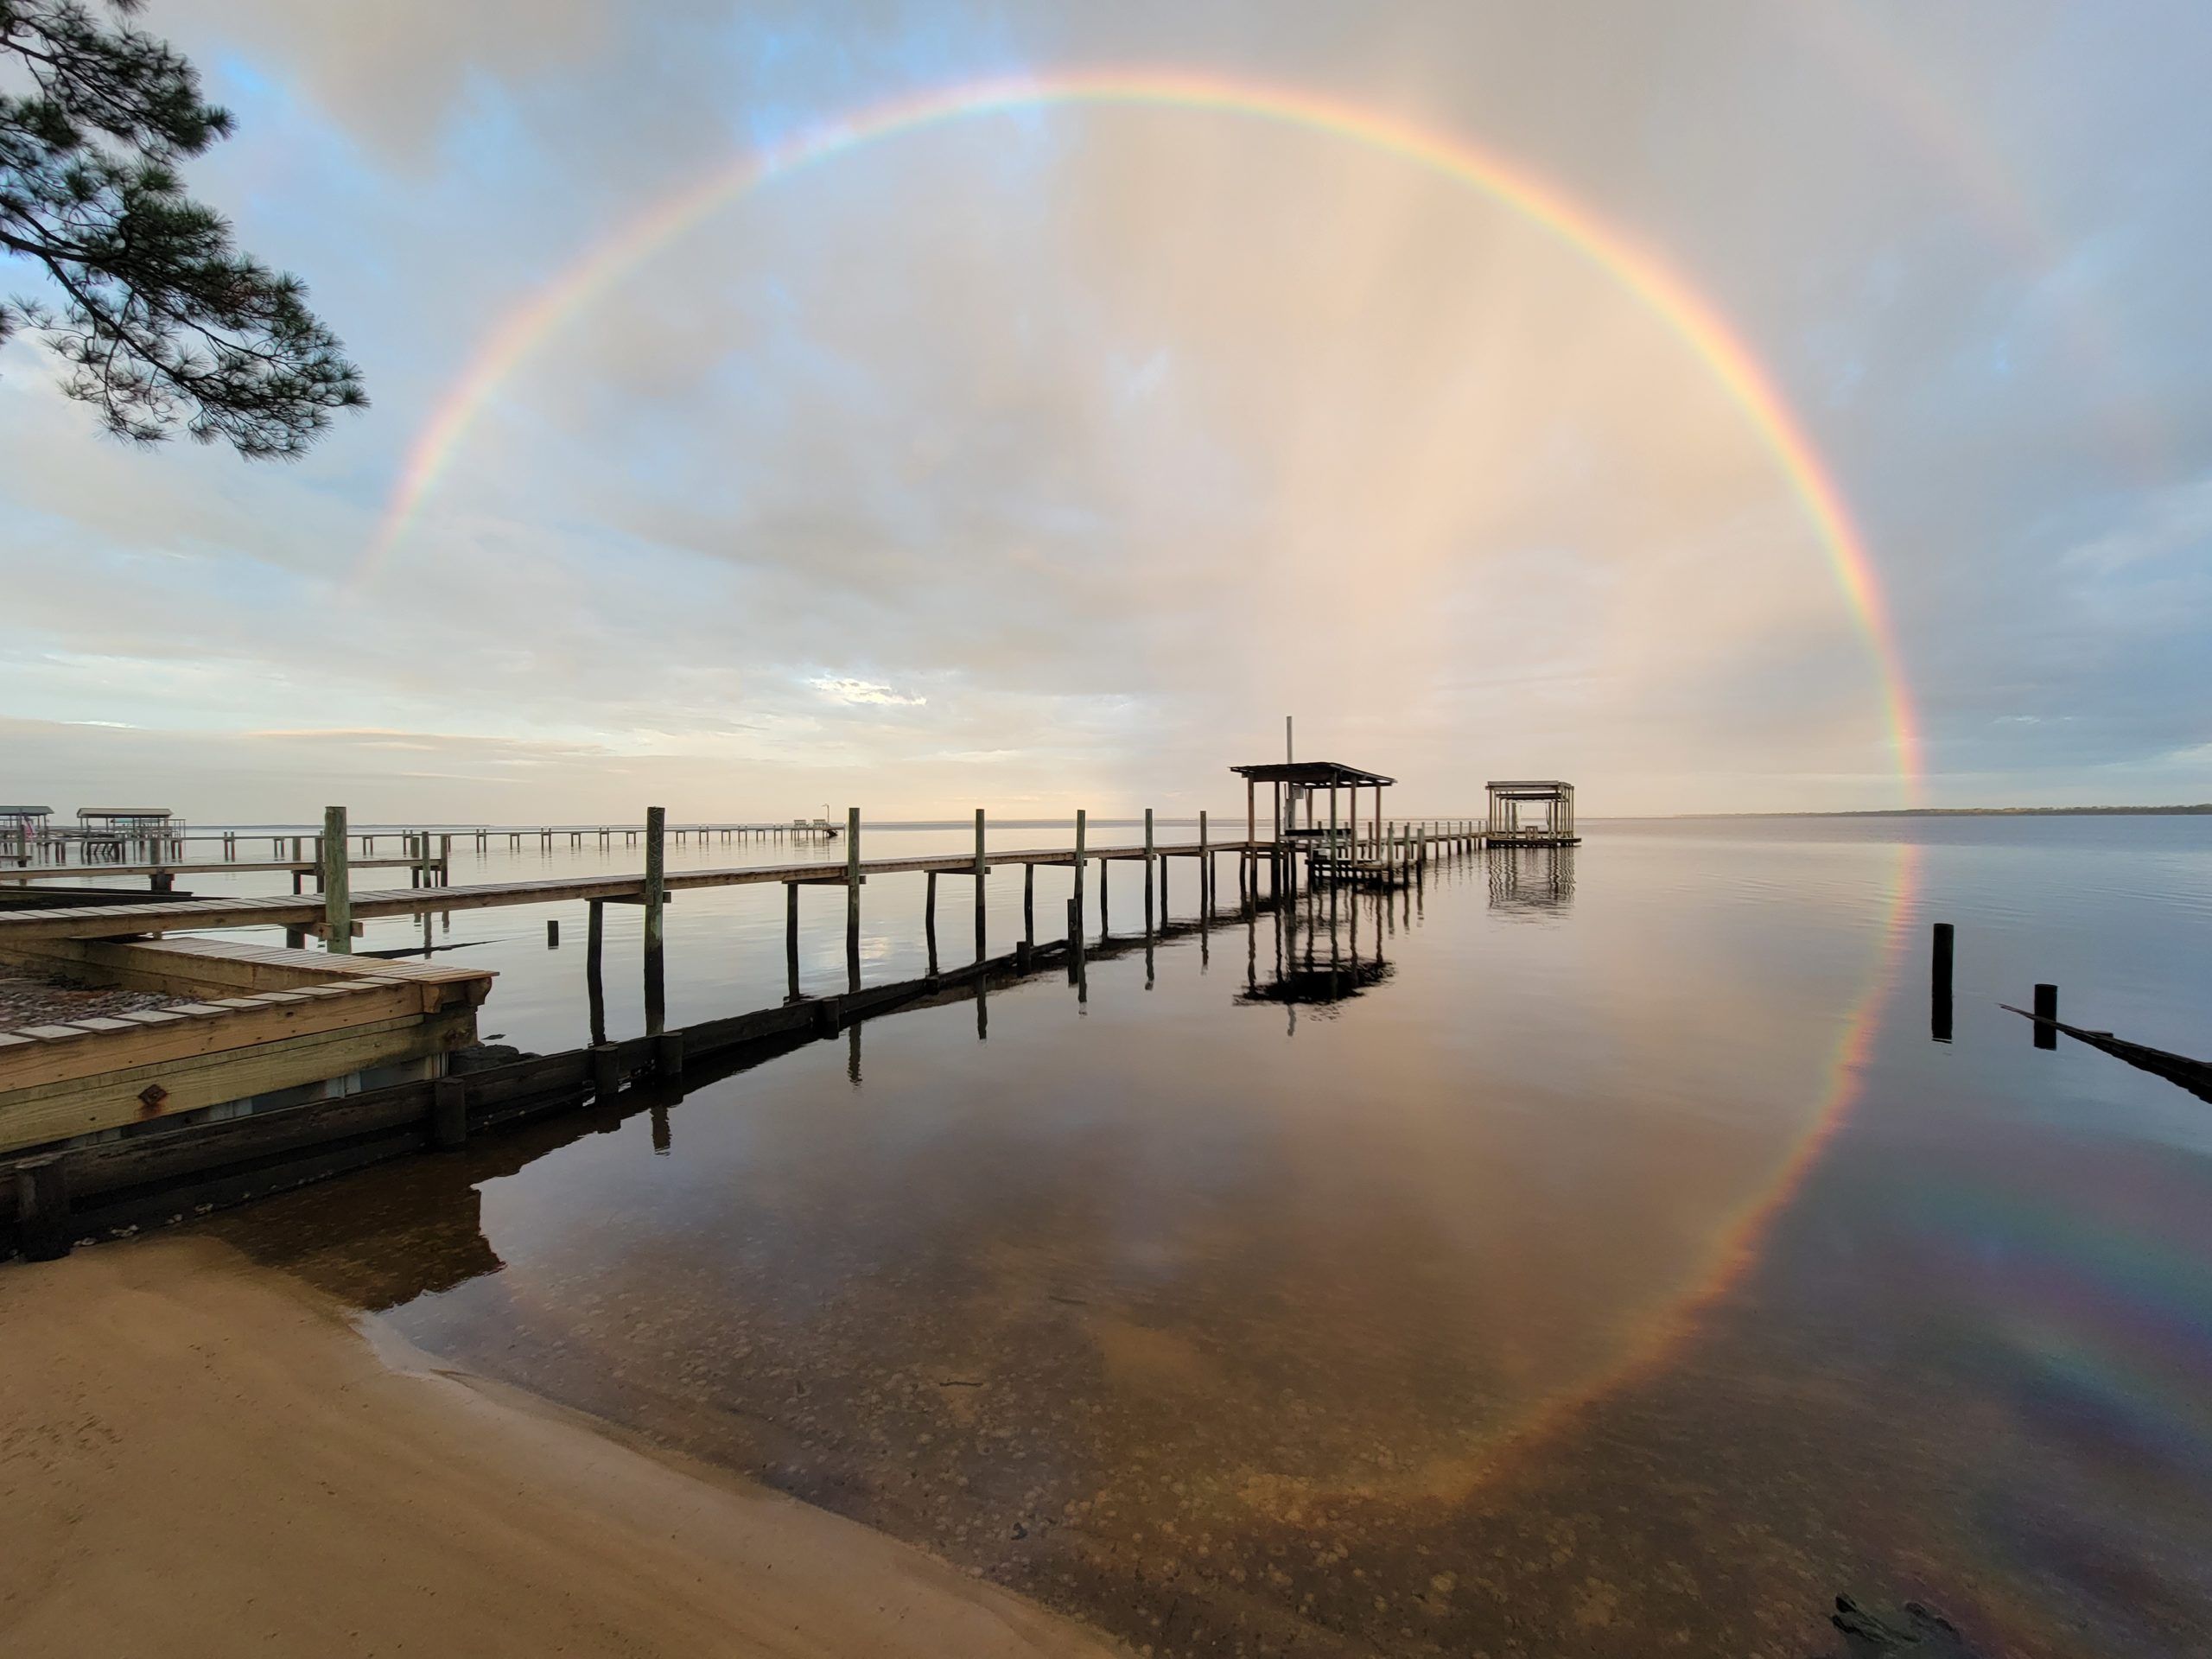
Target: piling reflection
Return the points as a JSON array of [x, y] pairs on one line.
[[1532, 883], [1320, 958]]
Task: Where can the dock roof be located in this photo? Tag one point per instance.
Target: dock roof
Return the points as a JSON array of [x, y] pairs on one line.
[[1313, 775]]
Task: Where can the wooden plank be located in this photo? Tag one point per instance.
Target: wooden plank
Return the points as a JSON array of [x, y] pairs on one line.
[[170, 1154], [247, 1022], [192, 967], [58, 1111]]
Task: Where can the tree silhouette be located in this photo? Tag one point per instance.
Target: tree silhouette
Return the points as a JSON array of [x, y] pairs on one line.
[[162, 320]]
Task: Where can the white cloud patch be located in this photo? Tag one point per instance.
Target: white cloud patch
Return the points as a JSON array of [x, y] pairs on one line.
[[836, 690]]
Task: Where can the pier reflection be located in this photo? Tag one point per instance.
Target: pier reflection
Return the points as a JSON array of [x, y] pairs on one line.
[[1533, 883], [1321, 957]]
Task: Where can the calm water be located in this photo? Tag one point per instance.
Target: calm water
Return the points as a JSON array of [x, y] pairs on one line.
[[1617, 1268]]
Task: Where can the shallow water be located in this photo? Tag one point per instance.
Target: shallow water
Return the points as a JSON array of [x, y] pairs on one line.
[[1617, 1267]]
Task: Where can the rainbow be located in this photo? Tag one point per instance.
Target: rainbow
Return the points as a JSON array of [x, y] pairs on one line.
[[1642, 275]]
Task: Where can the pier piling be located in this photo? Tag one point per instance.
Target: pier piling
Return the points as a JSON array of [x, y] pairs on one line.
[[337, 884], [1939, 985], [852, 898], [656, 896]]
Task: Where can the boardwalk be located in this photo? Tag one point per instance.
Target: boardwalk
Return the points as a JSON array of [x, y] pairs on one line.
[[306, 910]]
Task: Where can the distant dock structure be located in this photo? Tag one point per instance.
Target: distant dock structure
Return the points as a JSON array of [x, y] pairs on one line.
[[1532, 812]]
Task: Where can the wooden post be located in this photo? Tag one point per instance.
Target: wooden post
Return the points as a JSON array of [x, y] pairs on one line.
[[337, 884], [929, 920], [1939, 986], [1205, 868], [552, 933], [2046, 1009], [42, 1207], [980, 867], [656, 896], [606, 1071], [853, 898], [1078, 930], [594, 987], [668, 1056], [790, 934], [655, 893], [1029, 904], [1149, 861]]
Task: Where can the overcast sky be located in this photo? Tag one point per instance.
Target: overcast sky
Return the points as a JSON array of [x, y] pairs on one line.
[[1048, 459]]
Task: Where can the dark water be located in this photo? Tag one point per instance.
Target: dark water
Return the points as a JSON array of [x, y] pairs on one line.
[[1617, 1269]]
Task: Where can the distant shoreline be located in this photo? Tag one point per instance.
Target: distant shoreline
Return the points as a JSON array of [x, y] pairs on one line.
[[2202, 809]]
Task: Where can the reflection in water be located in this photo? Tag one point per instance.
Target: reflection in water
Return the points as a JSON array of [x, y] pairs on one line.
[[1318, 958], [1343, 1344], [1529, 882]]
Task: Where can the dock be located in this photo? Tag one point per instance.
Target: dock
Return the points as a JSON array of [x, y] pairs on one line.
[[320, 1059]]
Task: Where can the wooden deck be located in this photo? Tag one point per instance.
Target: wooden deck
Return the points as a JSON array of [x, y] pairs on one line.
[[249, 1021], [204, 867], [306, 910]]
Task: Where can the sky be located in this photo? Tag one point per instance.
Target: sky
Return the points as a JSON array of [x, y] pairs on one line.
[[1047, 457]]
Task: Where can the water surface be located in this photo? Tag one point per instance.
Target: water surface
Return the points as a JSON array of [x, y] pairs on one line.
[[1615, 1266]]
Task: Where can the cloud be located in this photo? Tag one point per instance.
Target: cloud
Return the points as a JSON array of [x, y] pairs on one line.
[[834, 689], [1084, 443]]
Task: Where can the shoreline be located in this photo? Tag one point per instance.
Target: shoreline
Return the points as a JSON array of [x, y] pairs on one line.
[[200, 1455]]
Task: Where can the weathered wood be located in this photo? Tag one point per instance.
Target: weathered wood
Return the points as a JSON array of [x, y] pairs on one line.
[[605, 1070], [656, 877], [448, 1112], [790, 935], [337, 884], [242, 1023], [42, 1207], [656, 893], [2194, 1075], [117, 921], [58, 1111], [853, 899]]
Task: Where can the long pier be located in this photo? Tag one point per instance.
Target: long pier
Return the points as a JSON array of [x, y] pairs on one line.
[[48, 851], [49, 1199], [164, 876], [310, 912]]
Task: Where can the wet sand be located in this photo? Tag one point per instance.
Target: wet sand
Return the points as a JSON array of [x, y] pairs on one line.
[[199, 1456]]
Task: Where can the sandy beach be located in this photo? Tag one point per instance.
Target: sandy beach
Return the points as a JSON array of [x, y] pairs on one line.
[[200, 1457]]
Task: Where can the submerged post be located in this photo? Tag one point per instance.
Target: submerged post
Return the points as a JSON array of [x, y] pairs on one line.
[[1077, 912], [337, 884], [2046, 1011], [1939, 986]]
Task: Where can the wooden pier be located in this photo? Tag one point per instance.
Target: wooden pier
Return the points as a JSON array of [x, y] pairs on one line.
[[118, 1078], [27, 839], [55, 1195]]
